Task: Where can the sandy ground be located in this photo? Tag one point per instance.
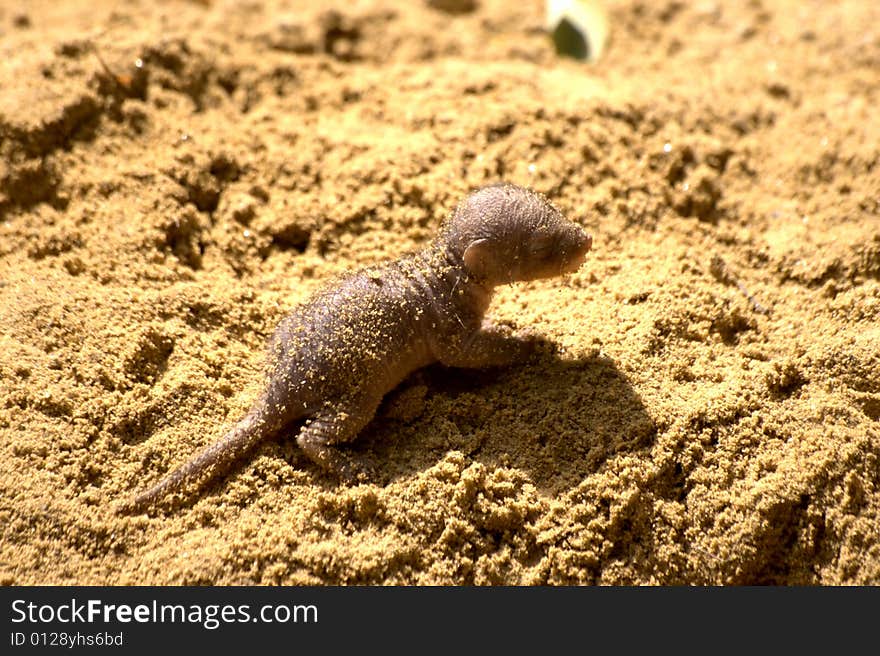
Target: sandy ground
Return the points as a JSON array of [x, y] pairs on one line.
[[712, 414]]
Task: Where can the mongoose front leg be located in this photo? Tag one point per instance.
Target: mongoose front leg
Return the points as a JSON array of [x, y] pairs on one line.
[[337, 424], [490, 346]]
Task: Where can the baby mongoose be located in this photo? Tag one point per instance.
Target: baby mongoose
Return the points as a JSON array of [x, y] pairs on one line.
[[333, 359]]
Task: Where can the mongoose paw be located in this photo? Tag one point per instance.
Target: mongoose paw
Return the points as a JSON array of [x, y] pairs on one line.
[[357, 472], [533, 344]]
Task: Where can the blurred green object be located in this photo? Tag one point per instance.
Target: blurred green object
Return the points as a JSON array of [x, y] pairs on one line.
[[570, 41], [454, 6], [579, 28]]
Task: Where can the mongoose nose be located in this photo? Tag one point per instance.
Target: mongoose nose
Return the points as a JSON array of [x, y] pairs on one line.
[[586, 243], [579, 255]]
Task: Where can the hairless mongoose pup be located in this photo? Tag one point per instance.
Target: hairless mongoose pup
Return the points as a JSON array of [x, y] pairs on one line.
[[333, 359]]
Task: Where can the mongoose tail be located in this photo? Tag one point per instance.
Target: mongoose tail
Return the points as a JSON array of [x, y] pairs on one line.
[[213, 461]]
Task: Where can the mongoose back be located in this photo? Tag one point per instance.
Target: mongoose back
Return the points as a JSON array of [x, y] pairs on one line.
[[333, 358]]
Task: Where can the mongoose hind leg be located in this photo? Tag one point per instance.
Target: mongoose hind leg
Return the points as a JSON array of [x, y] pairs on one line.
[[338, 424]]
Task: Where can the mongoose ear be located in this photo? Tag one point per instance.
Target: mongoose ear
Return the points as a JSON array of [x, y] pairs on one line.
[[477, 258]]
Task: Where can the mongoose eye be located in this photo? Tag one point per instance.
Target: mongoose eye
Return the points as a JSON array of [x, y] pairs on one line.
[[542, 248]]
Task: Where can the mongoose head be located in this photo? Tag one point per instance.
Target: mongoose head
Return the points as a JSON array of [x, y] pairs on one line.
[[505, 233]]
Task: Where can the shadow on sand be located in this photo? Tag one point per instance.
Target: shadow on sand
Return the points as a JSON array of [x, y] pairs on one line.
[[557, 420]]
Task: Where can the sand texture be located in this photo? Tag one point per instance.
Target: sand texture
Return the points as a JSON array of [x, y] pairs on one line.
[[176, 176]]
